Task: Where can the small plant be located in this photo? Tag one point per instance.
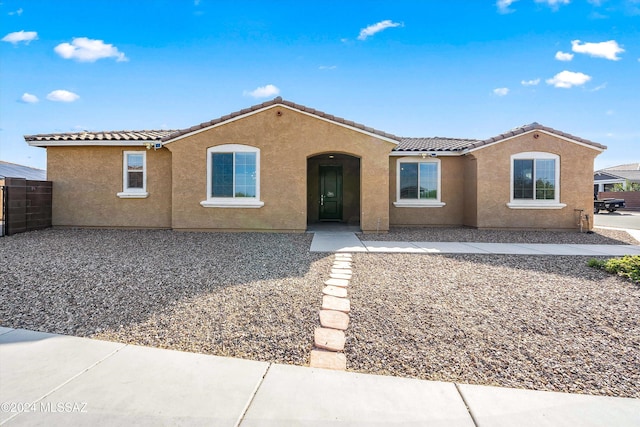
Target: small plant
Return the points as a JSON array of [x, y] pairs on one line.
[[628, 266]]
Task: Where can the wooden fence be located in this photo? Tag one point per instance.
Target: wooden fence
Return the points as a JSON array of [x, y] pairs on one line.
[[26, 205]]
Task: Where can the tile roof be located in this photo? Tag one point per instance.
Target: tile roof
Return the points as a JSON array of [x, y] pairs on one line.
[[535, 126], [279, 101], [625, 167], [452, 145], [116, 136], [434, 144]]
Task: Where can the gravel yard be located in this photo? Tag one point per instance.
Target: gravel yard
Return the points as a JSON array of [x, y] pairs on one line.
[[547, 322], [461, 234], [249, 295]]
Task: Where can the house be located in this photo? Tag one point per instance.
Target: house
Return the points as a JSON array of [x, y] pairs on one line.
[[13, 170], [279, 166], [605, 179]]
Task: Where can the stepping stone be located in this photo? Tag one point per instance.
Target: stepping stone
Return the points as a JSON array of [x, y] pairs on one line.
[[343, 257], [328, 360], [342, 276], [341, 264], [337, 282], [341, 270], [329, 339], [334, 319], [336, 291], [334, 303]]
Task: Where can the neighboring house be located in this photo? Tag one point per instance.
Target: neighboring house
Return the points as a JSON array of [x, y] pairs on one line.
[[279, 166], [12, 170], [606, 179]]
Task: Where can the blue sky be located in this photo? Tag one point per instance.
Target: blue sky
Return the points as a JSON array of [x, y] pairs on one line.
[[469, 69]]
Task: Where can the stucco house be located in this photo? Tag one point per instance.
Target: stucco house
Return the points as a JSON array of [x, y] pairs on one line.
[[279, 166], [606, 179]]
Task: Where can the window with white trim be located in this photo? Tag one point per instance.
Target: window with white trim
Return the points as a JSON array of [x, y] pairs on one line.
[[418, 182], [233, 177], [535, 181], [134, 175]]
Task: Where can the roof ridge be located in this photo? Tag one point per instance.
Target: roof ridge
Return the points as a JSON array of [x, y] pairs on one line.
[[279, 101]]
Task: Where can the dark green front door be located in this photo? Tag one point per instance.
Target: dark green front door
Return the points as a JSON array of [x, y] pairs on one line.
[[330, 193]]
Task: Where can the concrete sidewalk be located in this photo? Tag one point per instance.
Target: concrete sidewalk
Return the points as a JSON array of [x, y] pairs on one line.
[[48, 379], [348, 242]]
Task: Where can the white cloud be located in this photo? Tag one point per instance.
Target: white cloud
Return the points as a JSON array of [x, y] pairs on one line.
[[554, 3], [533, 82], [600, 87], [501, 91], [567, 79], [87, 50], [263, 91], [563, 56], [376, 28], [327, 67], [29, 98], [503, 5], [608, 50], [20, 36], [17, 12], [62, 95]]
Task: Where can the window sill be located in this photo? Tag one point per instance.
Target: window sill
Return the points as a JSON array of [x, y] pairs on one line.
[[536, 205], [137, 195], [418, 204], [232, 203]]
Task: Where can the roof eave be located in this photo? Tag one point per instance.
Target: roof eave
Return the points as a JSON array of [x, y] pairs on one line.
[[504, 137], [91, 143]]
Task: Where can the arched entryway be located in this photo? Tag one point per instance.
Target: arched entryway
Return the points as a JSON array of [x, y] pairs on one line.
[[333, 189]]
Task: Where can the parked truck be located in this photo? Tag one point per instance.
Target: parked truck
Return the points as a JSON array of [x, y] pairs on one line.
[[610, 205]]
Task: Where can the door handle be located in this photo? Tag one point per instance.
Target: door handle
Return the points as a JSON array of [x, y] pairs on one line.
[[322, 200]]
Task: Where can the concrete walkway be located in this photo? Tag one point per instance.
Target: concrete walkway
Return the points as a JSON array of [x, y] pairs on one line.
[[56, 380], [348, 242]]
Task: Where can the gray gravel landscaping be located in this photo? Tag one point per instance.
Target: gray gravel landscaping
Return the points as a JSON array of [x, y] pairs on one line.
[[249, 295], [544, 322], [462, 234]]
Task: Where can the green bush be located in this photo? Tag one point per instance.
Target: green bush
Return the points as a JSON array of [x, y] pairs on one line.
[[628, 266]]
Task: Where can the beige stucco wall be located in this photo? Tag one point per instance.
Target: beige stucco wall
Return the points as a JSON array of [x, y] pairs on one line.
[[286, 142], [452, 194], [493, 169], [86, 180]]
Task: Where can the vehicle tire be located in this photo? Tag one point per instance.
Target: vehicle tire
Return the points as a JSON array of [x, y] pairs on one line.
[[611, 210], [596, 211]]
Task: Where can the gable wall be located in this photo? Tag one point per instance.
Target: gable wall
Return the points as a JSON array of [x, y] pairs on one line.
[[86, 180], [285, 141], [493, 182]]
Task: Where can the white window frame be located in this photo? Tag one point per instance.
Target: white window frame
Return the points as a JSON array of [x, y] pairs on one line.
[[232, 202], [418, 203], [133, 193], [536, 204]]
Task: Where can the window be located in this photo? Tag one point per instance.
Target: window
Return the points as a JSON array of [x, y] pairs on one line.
[[535, 181], [418, 183], [233, 177], [134, 175]]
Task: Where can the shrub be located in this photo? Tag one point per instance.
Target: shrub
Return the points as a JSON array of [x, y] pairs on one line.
[[628, 266]]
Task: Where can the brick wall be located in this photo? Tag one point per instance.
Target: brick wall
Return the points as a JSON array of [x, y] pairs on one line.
[[631, 198]]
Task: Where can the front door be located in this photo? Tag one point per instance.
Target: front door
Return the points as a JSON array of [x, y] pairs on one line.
[[330, 193]]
